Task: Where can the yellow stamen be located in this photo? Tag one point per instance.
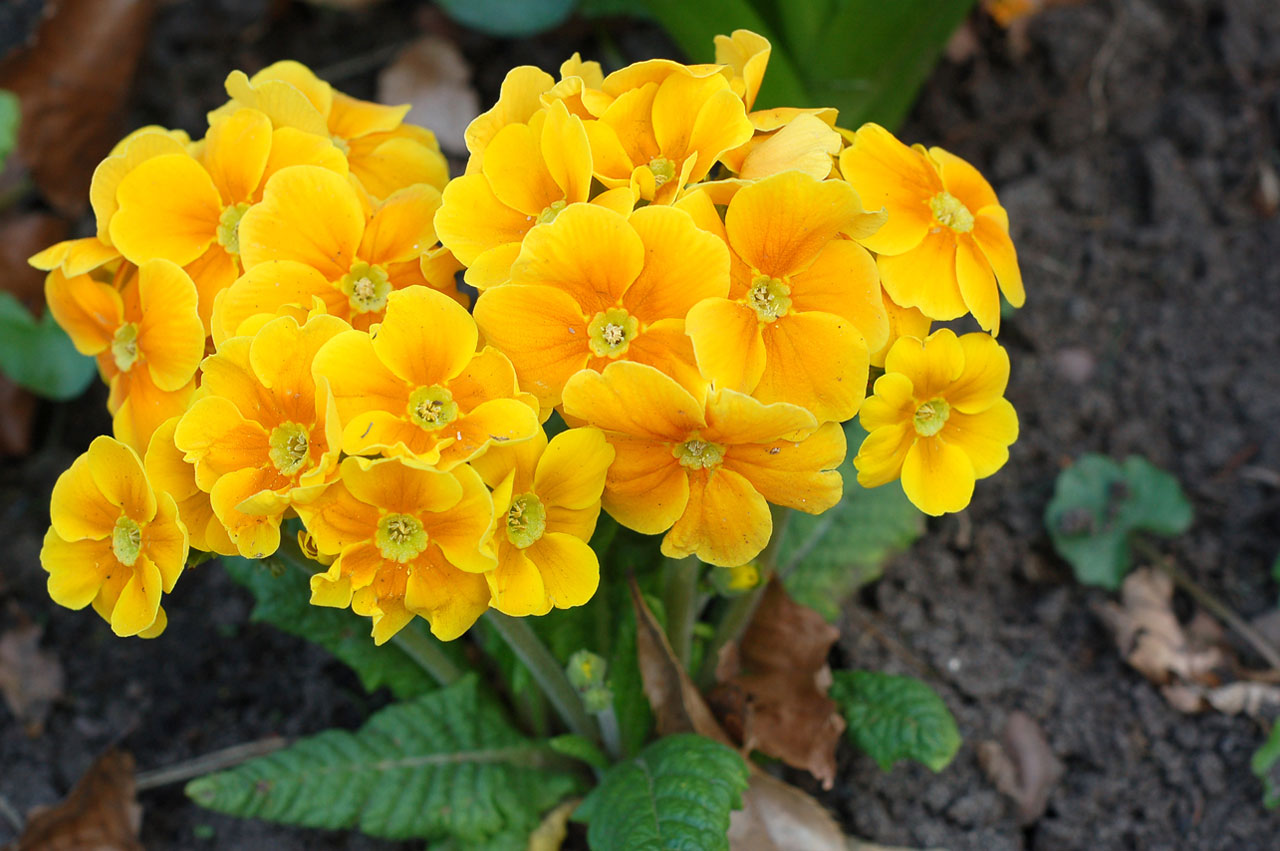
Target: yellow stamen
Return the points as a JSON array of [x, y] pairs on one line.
[[663, 170], [229, 227], [432, 407], [124, 346], [290, 446], [769, 297], [550, 212], [931, 417], [611, 331], [698, 454], [400, 537], [126, 541], [526, 520], [366, 287], [950, 212]]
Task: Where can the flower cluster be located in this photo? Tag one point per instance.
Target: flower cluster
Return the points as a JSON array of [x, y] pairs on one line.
[[699, 289]]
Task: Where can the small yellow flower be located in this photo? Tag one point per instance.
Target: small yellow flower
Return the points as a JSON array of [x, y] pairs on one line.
[[408, 542], [946, 243], [169, 472], [114, 541], [938, 419], [546, 498]]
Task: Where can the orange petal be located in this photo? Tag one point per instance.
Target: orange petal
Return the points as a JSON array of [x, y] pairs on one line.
[[517, 173], [169, 208], [817, 360], [450, 599], [886, 173], [636, 400], [726, 522], [255, 535], [962, 180], [541, 329], [217, 437], [925, 277], [359, 380], [88, 310], [498, 420], [734, 418], [268, 289], [400, 228], [797, 474], [427, 338], [399, 488], [337, 519], [170, 333], [728, 343], [646, 489], [843, 280], [683, 264], [307, 214], [457, 529]]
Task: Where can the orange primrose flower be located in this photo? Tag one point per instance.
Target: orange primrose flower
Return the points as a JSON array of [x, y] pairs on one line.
[[701, 467], [169, 472], [114, 541]]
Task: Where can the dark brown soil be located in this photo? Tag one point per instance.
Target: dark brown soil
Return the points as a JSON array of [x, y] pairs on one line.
[[1127, 144]]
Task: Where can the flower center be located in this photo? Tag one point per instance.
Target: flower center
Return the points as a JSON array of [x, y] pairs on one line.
[[526, 520], [400, 537], [698, 454], [432, 407], [124, 346], [229, 227], [950, 212], [340, 143], [663, 170], [126, 541], [769, 298], [366, 287], [931, 417], [289, 447], [611, 332], [549, 213]]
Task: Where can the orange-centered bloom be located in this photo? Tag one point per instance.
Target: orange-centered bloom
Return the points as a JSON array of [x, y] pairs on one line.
[[938, 419], [946, 243], [594, 287], [147, 336], [264, 434], [419, 389], [804, 309], [408, 541], [701, 467], [114, 541], [546, 499]]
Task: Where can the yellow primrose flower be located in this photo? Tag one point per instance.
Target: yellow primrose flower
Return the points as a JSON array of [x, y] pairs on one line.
[[549, 496], [131, 151], [114, 541], [146, 335], [701, 467], [384, 154], [409, 541], [419, 389], [595, 286], [746, 55], [315, 220], [804, 307], [264, 434], [938, 419], [946, 244], [169, 472]]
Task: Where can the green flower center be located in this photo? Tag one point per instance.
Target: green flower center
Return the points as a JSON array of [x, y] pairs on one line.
[[124, 346], [340, 143], [526, 520], [432, 407], [229, 227], [400, 537], [366, 287], [769, 298], [126, 541], [950, 212], [931, 417], [611, 332], [290, 447], [663, 169], [698, 454], [549, 213]]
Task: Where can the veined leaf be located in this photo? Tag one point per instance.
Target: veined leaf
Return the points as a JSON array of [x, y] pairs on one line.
[[446, 764], [676, 794], [38, 354], [894, 718]]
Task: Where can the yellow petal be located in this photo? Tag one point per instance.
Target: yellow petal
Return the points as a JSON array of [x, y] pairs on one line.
[[136, 148], [880, 458], [805, 144], [139, 601], [726, 522], [88, 310], [337, 519], [169, 208], [932, 365], [218, 438], [925, 277], [886, 173], [683, 264], [747, 54], [165, 541], [516, 585], [457, 529], [255, 536], [427, 338], [937, 477], [985, 437], [450, 599], [963, 180], [359, 380], [646, 489], [235, 154], [76, 569], [399, 488], [727, 341], [893, 402], [636, 400], [269, 289], [331, 589], [400, 228], [985, 375], [350, 118], [978, 285], [734, 418], [290, 146], [665, 346], [472, 220], [817, 360], [307, 214], [281, 356], [572, 469], [517, 173], [566, 152], [170, 334], [541, 329], [519, 98], [117, 471], [74, 256], [798, 474], [843, 280], [569, 569], [992, 237], [288, 93], [142, 407]]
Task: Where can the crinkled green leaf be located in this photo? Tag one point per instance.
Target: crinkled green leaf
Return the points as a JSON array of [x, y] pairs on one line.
[[676, 794], [894, 718], [1098, 504], [827, 557], [38, 354], [443, 764], [284, 602], [508, 18], [10, 115]]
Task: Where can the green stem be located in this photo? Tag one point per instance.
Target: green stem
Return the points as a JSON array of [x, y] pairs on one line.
[[547, 672], [740, 609], [681, 603]]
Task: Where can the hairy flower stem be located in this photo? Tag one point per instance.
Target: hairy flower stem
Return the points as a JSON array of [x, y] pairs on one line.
[[741, 609], [547, 672], [681, 600]]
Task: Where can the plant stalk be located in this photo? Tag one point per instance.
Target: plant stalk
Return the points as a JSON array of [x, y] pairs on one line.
[[681, 600]]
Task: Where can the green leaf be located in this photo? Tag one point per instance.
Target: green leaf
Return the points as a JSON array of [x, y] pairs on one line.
[[894, 718], [10, 115], [580, 748], [283, 601], [676, 794], [1098, 504], [38, 354], [827, 557], [508, 18], [1263, 765], [443, 764]]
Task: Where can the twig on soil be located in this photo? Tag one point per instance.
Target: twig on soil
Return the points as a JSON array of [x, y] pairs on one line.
[[210, 762], [1101, 62], [11, 815]]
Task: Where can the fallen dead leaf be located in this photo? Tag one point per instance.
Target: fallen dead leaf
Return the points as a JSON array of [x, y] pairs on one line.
[[1022, 765], [433, 76], [30, 678], [72, 82], [100, 814], [776, 816], [772, 694]]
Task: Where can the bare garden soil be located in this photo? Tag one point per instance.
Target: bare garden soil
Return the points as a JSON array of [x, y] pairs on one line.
[[1127, 141]]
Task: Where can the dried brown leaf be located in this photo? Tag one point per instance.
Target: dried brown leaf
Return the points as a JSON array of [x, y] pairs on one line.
[[30, 678], [1022, 765], [433, 76], [21, 236], [100, 814], [773, 690], [776, 816], [72, 82]]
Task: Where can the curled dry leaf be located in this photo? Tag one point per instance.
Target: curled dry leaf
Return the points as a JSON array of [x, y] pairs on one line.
[[1022, 765], [100, 814], [30, 678], [433, 76], [776, 816], [772, 694]]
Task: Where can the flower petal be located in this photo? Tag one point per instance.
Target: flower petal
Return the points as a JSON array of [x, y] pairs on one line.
[[886, 173], [358, 378], [925, 276], [843, 280], [117, 471], [978, 285], [235, 154], [495, 421], [169, 208], [255, 535], [734, 418], [932, 364], [569, 568], [572, 469], [962, 180], [89, 311], [991, 233], [76, 569], [779, 224], [726, 522], [985, 375], [139, 601], [472, 221], [268, 289], [516, 584], [589, 252], [307, 214], [880, 458], [450, 599], [457, 529], [683, 264], [798, 474], [817, 360], [985, 437], [893, 402], [427, 338], [937, 476], [646, 489], [170, 333], [337, 519], [543, 332], [727, 343], [517, 173], [400, 228], [636, 400]]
